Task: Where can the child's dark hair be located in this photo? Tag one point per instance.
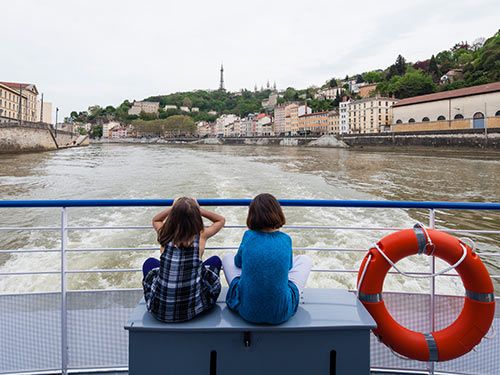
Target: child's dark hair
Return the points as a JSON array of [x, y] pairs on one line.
[[183, 223], [265, 213]]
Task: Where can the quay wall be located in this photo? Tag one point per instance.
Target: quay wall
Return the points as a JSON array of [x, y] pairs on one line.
[[32, 137], [467, 138]]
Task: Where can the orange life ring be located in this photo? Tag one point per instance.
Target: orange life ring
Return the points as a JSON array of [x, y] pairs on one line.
[[477, 313]]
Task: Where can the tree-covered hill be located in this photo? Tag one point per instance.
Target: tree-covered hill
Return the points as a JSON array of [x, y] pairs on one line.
[[474, 64]]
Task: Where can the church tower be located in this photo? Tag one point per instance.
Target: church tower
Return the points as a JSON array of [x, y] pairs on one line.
[[221, 86]]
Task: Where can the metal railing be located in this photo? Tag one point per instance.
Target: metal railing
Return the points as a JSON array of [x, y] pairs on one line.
[[65, 228]]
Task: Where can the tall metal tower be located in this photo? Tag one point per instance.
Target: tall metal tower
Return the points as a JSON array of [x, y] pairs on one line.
[[221, 86]]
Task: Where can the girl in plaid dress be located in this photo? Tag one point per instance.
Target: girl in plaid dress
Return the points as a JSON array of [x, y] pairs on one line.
[[180, 286]]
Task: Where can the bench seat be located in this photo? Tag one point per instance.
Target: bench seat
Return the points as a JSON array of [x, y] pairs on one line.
[[329, 334]]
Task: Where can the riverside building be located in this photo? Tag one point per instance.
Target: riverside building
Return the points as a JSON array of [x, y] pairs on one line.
[[344, 117], [467, 108], [314, 123], [18, 101], [370, 115]]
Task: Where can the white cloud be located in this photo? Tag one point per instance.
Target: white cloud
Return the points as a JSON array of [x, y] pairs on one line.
[[81, 53]]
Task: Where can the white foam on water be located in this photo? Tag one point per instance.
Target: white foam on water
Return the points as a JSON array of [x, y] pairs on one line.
[[210, 174]]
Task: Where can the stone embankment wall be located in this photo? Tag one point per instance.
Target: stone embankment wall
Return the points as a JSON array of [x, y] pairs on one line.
[[32, 137], [473, 138]]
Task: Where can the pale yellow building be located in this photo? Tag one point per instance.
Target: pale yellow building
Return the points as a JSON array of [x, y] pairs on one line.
[[370, 115], [292, 119], [18, 101], [314, 123], [146, 107], [467, 108], [333, 122]]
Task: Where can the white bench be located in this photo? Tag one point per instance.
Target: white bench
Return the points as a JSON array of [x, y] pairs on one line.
[[329, 334]]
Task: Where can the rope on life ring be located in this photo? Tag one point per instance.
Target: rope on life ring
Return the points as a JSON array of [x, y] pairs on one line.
[[477, 314]]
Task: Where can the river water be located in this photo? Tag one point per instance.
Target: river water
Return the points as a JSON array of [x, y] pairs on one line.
[[109, 171]]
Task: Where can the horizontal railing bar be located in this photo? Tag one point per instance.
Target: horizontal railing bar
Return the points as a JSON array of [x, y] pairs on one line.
[[211, 248], [110, 249], [30, 228], [137, 289], [21, 273], [246, 202], [118, 270], [29, 251], [118, 249], [390, 272], [106, 270]]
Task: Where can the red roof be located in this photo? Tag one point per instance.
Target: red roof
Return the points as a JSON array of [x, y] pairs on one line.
[[467, 91], [19, 86]]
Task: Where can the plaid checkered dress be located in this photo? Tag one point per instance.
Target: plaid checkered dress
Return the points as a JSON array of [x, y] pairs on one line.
[[182, 287]]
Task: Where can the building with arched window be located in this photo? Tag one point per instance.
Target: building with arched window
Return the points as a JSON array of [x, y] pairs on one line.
[[470, 107]]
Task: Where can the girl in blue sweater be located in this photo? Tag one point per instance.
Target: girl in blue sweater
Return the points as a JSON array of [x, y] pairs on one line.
[[265, 279]]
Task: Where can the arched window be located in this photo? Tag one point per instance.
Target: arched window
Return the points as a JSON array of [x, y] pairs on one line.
[[425, 119], [478, 115], [458, 116], [411, 120], [497, 114], [400, 122], [441, 118]]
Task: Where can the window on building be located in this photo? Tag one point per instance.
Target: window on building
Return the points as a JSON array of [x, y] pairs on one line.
[[425, 119], [497, 114], [478, 115], [441, 118], [458, 116], [411, 120], [399, 122]]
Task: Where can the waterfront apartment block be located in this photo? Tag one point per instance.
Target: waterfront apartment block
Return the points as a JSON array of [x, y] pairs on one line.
[[370, 115], [319, 123], [466, 108], [263, 125], [18, 101], [333, 122], [223, 124], [279, 119], [146, 107], [292, 119], [107, 129], [205, 129], [314, 123], [344, 117]]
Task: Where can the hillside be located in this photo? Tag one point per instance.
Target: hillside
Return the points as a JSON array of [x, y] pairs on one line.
[[471, 64]]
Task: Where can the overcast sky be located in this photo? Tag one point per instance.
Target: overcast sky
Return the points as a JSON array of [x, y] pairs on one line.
[[85, 52]]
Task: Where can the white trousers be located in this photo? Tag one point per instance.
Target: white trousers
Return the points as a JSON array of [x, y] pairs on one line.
[[298, 274]]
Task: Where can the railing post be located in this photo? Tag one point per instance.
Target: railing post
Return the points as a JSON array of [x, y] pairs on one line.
[[432, 307], [64, 322]]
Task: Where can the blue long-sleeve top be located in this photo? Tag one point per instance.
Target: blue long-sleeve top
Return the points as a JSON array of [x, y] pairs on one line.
[[263, 293]]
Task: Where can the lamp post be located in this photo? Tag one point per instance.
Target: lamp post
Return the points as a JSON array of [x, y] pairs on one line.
[[57, 112]]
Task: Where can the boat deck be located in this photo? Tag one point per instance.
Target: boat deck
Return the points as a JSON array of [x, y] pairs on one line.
[[31, 332]]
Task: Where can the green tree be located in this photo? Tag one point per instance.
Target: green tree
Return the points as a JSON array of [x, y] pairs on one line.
[[373, 77], [290, 94], [332, 83], [411, 84], [187, 102], [434, 70], [96, 131]]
